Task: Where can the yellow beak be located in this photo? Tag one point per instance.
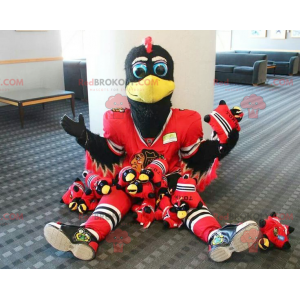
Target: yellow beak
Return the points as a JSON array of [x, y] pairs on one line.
[[144, 178], [181, 214], [82, 208], [151, 89], [132, 189], [264, 244], [73, 206], [129, 177], [105, 189]]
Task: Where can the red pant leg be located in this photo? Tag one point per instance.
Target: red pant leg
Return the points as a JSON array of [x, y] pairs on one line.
[[201, 222], [109, 212]]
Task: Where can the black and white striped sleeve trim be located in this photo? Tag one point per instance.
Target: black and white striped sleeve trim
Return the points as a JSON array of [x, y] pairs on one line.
[[118, 150], [109, 213], [194, 215], [188, 151], [185, 187], [90, 179], [160, 165], [222, 122]]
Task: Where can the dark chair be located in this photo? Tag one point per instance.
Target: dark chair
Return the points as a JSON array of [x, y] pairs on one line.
[[75, 76]]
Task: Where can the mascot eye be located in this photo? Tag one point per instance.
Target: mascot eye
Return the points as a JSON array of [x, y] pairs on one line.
[[139, 70], [160, 69]]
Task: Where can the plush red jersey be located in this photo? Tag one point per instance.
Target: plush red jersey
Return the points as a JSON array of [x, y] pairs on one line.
[[182, 133], [276, 232]]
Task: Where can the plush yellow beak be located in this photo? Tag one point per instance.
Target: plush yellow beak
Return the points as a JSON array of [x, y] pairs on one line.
[[132, 189], [237, 108], [144, 178], [264, 244], [129, 177], [181, 214], [82, 208], [151, 89], [73, 206], [105, 190]]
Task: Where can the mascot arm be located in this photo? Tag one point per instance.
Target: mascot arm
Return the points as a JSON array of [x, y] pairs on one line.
[[209, 150], [99, 148], [199, 154]]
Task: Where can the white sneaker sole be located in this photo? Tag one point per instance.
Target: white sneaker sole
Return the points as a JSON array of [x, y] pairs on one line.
[[58, 240], [220, 254]]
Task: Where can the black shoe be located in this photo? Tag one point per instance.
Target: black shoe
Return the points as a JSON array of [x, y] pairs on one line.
[[82, 243], [232, 238]]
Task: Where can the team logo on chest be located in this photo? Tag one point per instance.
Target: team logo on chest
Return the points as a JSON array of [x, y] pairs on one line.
[[142, 159]]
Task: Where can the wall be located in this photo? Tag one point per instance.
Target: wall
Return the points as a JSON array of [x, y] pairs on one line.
[[193, 53], [241, 40], [223, 40], [26, 45], [72, 43]]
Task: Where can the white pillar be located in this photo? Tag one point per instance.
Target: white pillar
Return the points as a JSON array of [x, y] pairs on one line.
[[193, 53]]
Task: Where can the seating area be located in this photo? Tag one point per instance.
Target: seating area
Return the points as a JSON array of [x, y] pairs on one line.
[[287, 63], [241, 68]]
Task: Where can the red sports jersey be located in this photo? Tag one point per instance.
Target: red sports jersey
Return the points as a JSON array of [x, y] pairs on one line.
[[181, 135]]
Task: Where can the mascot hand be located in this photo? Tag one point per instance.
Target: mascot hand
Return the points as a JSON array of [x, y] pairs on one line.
[[73, 128]]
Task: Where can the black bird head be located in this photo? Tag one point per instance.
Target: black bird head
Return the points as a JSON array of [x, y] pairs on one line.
[[149, 86], [129, 175], [181, 208]]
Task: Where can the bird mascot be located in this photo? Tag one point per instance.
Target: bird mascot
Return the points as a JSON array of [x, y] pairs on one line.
[[152, 130]]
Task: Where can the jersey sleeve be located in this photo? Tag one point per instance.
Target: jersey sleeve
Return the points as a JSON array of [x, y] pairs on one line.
[[192, 133], [113, 123]]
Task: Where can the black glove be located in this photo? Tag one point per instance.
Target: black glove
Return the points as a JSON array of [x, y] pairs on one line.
[[73, 128]]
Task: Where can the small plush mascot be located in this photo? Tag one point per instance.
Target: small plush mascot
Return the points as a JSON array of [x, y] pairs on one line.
[[174, 207], [97, 187], [223, 121], [155, 172], [275, 234], [144, 212], [126, 176], [73, 194]]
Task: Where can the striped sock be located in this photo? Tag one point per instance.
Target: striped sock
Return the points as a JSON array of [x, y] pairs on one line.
[[201, 222]]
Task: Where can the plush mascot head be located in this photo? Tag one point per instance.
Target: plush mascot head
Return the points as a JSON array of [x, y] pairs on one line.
[[149, 86]]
